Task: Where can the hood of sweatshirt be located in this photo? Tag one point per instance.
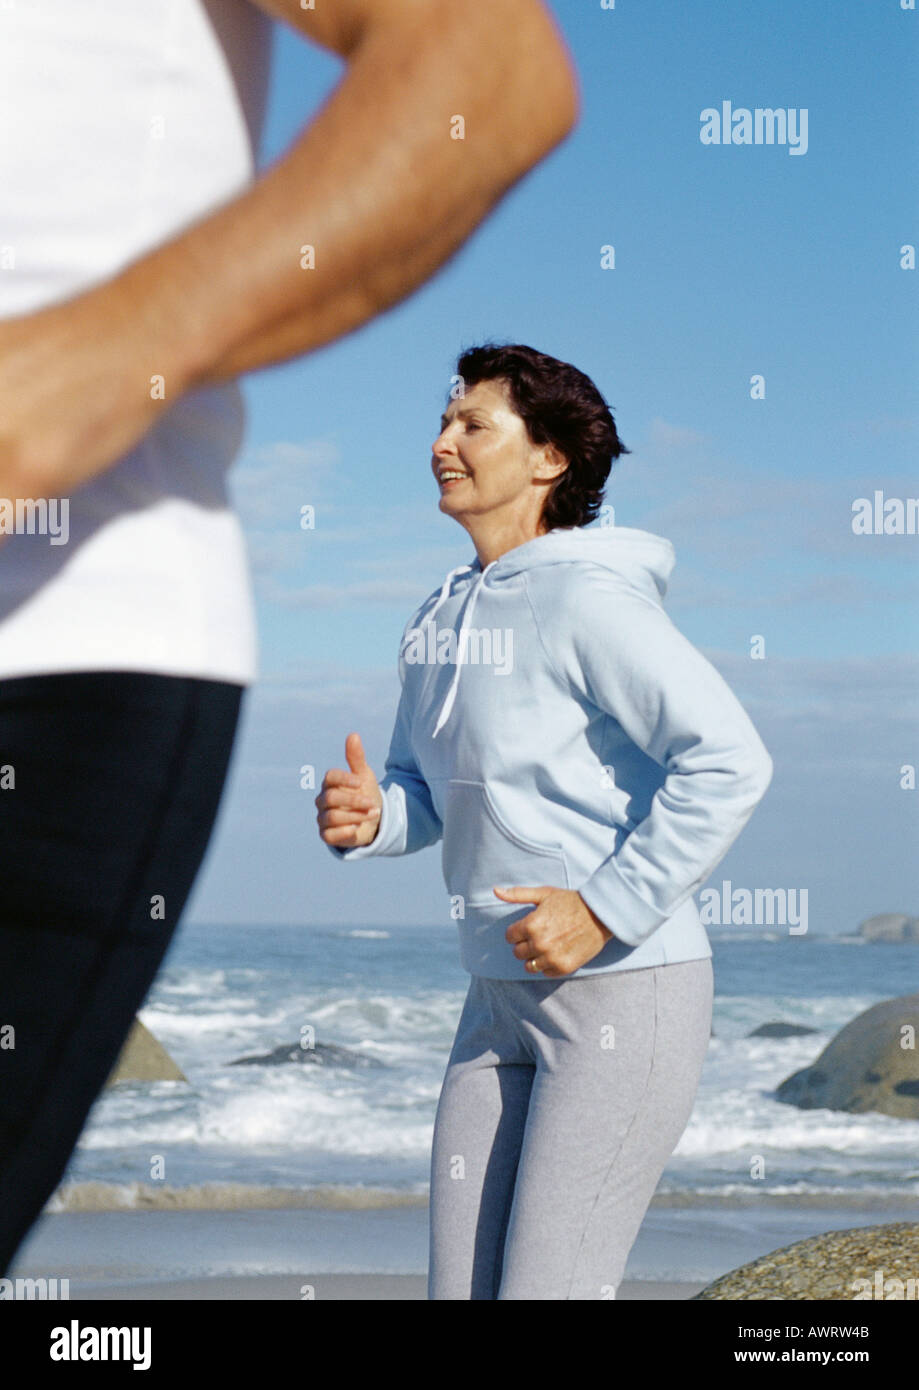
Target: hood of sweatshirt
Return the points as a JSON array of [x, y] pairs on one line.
[[643, 561]]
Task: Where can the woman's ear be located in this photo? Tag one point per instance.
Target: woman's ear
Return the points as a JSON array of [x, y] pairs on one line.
[[552, 464]]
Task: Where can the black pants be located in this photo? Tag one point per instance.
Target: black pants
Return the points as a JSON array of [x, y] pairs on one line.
[[109, 786]]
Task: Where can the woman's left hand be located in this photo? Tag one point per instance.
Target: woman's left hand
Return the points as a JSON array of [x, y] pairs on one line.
[[562, 933]]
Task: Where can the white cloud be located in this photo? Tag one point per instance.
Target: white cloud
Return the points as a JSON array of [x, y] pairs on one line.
[[664, 437], [270, 483]]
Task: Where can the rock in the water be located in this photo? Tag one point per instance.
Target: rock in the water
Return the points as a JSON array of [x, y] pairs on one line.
[[320, 1054], [857, 1264], [890, 926], [871, 1064], [780, 1030], [144, 1059]]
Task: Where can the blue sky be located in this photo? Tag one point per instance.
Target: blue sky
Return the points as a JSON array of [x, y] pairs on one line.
[[731, 261]]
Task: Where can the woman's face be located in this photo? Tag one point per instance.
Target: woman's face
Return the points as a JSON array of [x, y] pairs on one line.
[[486, 443]]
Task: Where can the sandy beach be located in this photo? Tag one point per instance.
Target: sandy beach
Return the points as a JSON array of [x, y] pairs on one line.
[[377, 1253], [360, 1287]]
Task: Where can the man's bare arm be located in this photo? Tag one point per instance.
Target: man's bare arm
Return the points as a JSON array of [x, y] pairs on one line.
[[375, 184]]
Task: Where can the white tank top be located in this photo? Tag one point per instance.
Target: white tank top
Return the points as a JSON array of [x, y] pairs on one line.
[[121, 121]]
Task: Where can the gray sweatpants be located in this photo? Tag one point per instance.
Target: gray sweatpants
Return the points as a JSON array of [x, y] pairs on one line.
[[561, 1104]]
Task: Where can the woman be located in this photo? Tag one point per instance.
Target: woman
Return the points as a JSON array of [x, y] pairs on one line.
[[587, 769]]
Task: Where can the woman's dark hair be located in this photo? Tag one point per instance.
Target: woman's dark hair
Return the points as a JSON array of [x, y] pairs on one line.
[[559, 405]]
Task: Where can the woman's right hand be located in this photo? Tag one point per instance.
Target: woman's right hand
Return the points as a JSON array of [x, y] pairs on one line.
[[350, 803]]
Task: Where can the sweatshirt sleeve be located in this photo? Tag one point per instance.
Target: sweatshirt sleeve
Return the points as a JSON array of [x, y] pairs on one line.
[[622, 650], [408, 821]]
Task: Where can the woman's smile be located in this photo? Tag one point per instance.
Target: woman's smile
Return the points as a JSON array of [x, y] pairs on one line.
[[451, 478]]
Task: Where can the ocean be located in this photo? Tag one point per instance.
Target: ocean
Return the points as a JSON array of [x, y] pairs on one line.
[[355, 1131]]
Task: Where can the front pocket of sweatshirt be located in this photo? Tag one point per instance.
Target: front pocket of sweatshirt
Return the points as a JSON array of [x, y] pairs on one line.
[[481, 852]]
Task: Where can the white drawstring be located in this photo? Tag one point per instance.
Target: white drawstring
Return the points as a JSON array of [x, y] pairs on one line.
[[444, 588], [468, 610]]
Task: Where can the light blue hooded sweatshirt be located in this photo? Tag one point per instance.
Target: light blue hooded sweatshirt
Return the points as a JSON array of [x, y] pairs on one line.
[[580, 741]]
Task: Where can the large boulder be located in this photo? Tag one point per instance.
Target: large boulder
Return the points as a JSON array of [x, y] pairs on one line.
[[890, 926], [871, 1064], [867, 1262], [144, 1059]]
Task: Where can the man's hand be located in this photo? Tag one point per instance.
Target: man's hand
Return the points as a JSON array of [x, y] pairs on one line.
[[77, 391], [562, 934]]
